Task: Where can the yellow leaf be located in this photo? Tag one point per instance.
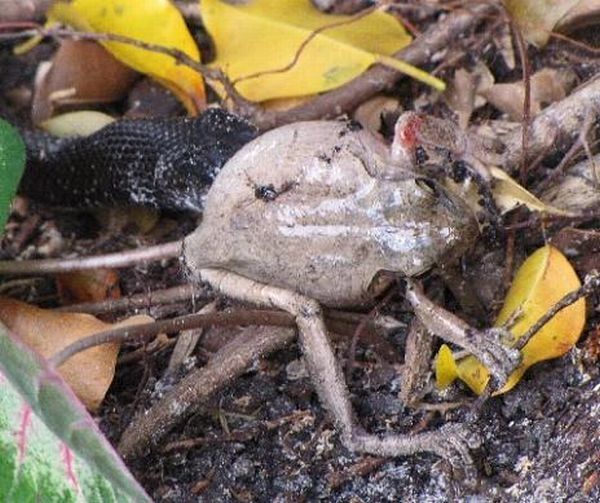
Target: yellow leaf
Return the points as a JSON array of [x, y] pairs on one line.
[[543, 279], [537, 18], [508, 194], [153, 21], [264, 36], [445, 368]]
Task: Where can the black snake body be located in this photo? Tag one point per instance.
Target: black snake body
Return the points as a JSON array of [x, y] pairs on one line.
[[161, 163]]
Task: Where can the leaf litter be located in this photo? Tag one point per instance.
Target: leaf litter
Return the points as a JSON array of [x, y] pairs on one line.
[[267, 391]]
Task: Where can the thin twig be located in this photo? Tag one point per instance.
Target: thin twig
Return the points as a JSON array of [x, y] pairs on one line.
[[361, 328], [242, 435], [379, 78], [245, 107], [546, 218], [558, 122], [121, 259], [591, 283], [526, 70], [304, 44], [576, 43], [562, 165], [327, 105], [144, 300], [147, 330]]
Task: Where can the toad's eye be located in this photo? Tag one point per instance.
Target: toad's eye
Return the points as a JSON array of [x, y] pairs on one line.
[[421, 156]]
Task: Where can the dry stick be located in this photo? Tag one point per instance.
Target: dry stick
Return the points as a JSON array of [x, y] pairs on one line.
[[576, 43], [591, 283], [590, 155], [223, 368], [361, 328], [139, 301], [560, 121], [147, 330], [242, 435], [526, 69], [588, 215], [121, 259], [562, 165]]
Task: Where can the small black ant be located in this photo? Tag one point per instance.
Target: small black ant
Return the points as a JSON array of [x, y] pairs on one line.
[[269, 193]]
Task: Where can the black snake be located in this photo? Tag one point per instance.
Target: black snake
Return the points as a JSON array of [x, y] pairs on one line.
[[161, 163]]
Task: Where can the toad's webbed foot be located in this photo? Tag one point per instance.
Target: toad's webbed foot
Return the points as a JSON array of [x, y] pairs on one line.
[[486, 345], [500, 359], [452, 441]]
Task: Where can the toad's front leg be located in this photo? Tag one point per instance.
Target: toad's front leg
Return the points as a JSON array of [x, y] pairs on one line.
[[487, 345], [451, 441]]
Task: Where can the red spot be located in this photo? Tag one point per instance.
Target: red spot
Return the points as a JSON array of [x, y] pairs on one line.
[[68, 460], [21, 433], [410, 132]]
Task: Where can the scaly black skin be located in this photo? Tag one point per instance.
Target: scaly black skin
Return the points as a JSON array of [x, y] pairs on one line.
[[160, 163]]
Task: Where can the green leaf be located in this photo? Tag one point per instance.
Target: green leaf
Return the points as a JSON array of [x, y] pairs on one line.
[[50, 448], [12, 163]]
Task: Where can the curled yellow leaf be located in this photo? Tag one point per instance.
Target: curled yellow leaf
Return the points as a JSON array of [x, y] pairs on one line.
[[543, 280], [152, 21], [257, 45]]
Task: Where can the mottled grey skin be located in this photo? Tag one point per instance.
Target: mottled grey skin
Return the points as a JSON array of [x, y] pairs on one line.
[[339, 213]]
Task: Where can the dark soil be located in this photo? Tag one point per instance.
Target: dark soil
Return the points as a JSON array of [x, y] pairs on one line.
[[266, 438]]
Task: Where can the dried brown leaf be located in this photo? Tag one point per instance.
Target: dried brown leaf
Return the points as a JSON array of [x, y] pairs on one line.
[[90, 372], [81, 72]]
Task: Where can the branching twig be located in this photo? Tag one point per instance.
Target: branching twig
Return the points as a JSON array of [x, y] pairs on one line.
[[331, 104], [562, 165], [304, 44], [378, 78], [244, 106]]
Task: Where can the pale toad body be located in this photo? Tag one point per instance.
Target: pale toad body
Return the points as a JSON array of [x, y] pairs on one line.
[[337, 212], [309, 213]]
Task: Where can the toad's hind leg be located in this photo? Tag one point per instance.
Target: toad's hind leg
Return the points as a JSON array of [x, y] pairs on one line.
[[452, 441]]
